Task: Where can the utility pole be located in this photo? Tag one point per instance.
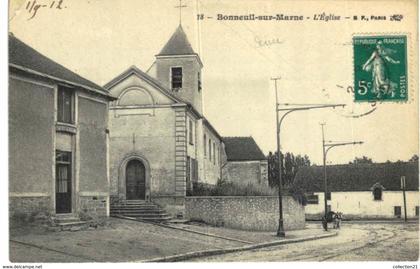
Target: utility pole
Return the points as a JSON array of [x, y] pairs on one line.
[[405, 202], [325, 148], [287, 110], [280, 229], [324, 161]]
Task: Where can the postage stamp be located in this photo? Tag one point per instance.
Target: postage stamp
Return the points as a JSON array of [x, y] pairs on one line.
[[380, 68]]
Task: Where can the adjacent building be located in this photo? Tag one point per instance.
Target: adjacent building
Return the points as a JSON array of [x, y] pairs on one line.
[[362, 190], [245, 162], [58, 137]]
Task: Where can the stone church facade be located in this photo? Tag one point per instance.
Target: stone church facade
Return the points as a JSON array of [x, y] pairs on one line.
[[160, 142], [77, 148]]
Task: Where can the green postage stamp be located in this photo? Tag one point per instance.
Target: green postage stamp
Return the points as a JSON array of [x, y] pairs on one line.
[[380, 68]]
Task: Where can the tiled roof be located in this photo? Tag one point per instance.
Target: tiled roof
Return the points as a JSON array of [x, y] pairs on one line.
[[178, 44], [22, 55], [359, 177], [242, 149]]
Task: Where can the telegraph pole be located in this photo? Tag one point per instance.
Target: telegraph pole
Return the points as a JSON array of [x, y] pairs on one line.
[[280, 229], [287, 110], [325, 148], [324, 161]]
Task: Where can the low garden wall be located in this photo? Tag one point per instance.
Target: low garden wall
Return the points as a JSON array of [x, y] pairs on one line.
[[258, 213]]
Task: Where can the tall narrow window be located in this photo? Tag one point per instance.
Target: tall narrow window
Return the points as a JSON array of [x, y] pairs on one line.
[[214, 153], [199, 81], [188, 178], [191, 135], [205, 145], [176, 78], [65, 105], [209, 149]]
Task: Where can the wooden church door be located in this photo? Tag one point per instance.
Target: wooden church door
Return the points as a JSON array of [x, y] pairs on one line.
[[135, 180]]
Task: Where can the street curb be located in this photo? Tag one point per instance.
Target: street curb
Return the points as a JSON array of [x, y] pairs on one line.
[[211, 252]]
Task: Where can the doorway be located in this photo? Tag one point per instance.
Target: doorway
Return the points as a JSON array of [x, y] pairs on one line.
[[63, 184], [135, 180]]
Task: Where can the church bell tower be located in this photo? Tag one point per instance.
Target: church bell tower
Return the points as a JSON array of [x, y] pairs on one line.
[[178, 67]]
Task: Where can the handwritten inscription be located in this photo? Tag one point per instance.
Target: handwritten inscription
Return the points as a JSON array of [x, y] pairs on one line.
[[267, 42], [33, 7]]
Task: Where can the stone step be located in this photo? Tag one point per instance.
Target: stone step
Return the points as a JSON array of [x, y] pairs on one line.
[[142, 215], [136, 202], [140, 210], [128, 209], [137, 213], [70, 226], [135, 206], [67, 220], [161, 219], [65, 216]]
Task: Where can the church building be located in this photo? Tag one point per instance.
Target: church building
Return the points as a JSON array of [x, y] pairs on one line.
[[160, 141]]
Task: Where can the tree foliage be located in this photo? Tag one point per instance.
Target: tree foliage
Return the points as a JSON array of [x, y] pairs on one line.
[[290, 166], [414, 158], [362, 160]]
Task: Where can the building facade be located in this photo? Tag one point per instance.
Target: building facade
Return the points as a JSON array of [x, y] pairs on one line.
[[245, 162], [160, 142], [57, 138], [364, 191]]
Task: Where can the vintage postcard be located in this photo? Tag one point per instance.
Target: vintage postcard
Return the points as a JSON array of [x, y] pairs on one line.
[[212, 131]]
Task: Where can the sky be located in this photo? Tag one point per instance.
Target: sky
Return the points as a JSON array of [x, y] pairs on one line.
[[100, 39]]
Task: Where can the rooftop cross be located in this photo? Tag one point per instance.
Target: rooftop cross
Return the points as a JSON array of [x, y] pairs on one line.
[[180, 6]]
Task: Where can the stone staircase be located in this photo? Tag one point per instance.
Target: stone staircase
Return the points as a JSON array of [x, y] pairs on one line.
[[140, 210], [68, 222]]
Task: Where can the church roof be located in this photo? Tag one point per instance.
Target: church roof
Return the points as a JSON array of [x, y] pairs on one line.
[[242, 149], [27, 59], [359, 177], [178, 44], [153, 82]]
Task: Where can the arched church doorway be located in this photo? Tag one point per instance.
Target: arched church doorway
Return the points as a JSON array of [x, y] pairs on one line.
[[135, 175]]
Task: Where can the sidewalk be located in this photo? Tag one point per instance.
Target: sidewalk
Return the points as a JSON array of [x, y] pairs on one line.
[[126, 240]]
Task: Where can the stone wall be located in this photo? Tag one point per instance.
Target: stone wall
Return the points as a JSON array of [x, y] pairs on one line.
[[258, 213], [175, 206], [93, 206], [25, 208]]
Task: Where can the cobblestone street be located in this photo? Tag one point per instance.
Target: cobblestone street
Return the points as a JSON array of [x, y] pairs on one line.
[[367, 241]]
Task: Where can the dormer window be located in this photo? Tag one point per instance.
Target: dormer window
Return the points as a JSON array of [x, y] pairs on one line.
[[377, 190], [176, 78], [377, 194]]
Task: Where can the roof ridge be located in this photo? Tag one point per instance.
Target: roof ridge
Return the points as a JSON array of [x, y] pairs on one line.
[[83, 81]]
